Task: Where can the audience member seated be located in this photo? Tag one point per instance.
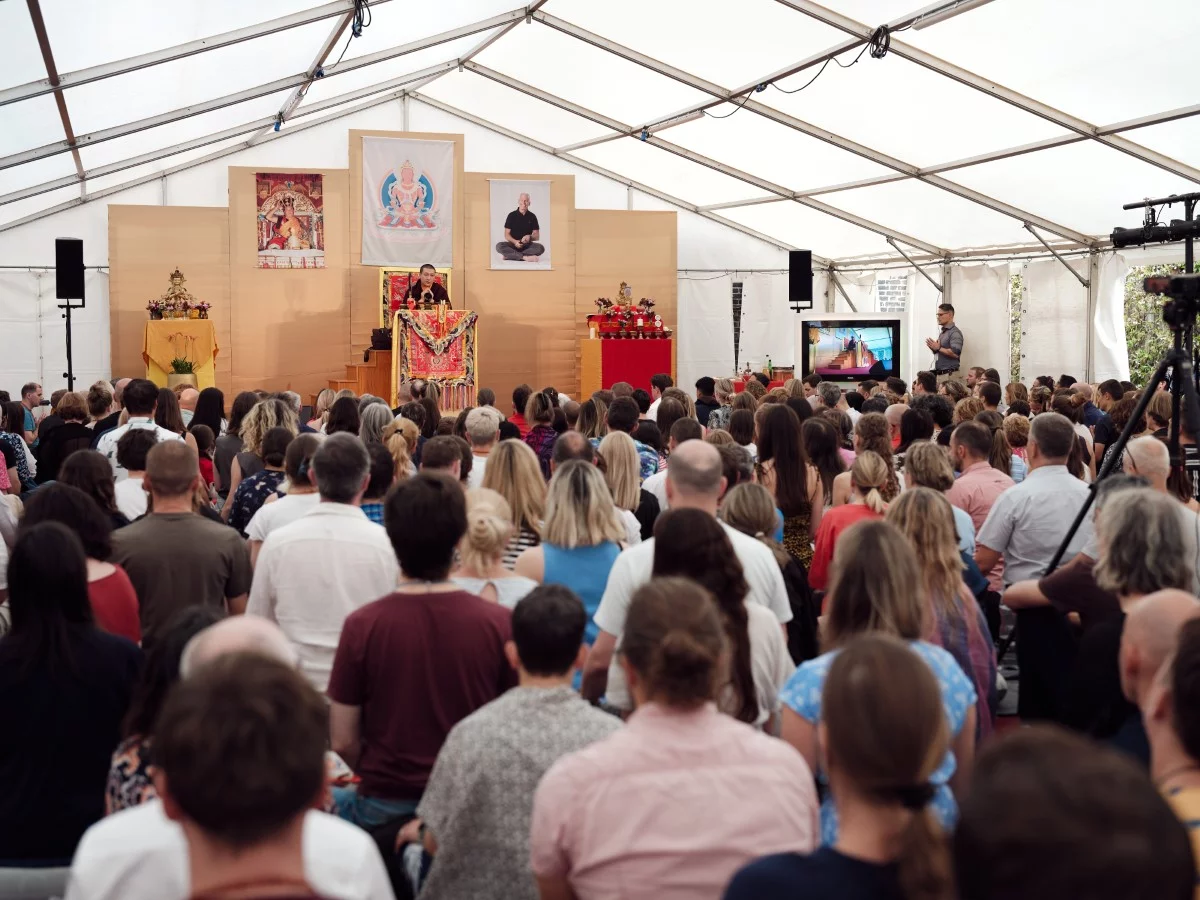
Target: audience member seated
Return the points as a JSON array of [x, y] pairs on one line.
[[927, 465], [110, 593], [957, 622], [822, 448], [623, 416], [871, 433], [784, 470], [483, 432], [637, 507], [486, 774], [520, 402], [230, 442], [344, 416], [380, 477], [885, 597], [1002, 458], [1142, 549], [317, 570], [722, 792], [174, 557], [64, 687], [592, 422], [742, 430], [129, 780], [539, 414], [658, 384], [301, 498], [481, 551], [1051, 815], [723, 394], [514, 474], [706, 400], [239, 762], [372, 421], [169, 416], [104, 406], [262, 419], [441, 455], [16, 452], [868, 479], [91, 473], [411, 665], [141, 399], [581, 539], [253, 491], [689, 543], [884, 734], [682, 429], [59, 443], [695, 481], [979, 485], [130, 492]]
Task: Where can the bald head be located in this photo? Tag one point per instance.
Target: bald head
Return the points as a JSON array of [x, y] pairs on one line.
[[894, 414], [237, 634], [119, 389], [1084, 390], [1149, 637], [188, 398], [1148, 457], [695, 478]]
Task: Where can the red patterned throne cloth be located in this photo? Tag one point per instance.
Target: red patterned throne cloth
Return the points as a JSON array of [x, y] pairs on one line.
[[438, 345]]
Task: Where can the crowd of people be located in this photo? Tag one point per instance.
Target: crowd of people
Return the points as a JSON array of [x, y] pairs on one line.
[[737, 642]]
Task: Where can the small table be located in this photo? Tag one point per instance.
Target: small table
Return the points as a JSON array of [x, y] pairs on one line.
[[191, 339]]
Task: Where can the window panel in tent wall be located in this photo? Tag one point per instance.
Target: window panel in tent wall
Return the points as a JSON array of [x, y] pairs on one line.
[[1109, 347], [980, 297], [705, 332], [1053, 306]]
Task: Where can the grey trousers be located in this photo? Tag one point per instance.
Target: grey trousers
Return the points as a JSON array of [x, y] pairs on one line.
[[512, 254]]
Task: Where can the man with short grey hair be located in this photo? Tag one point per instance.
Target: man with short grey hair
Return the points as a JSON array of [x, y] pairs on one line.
[[313, 573], [483, 431], [830, 394], [695, 480]]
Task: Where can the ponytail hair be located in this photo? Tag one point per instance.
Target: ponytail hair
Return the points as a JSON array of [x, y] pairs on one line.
[[1000, 457], [886, 734], [869, 475]]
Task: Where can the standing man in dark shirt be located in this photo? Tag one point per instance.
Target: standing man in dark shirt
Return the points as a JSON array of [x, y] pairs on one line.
[[947, 346], [425, 289], [521, 233]]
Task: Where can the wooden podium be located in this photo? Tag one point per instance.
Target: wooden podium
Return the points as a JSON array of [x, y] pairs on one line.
[[439, 345], [603, 361]]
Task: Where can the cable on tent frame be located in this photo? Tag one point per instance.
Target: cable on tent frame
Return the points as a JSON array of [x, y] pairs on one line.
[[361, 20]]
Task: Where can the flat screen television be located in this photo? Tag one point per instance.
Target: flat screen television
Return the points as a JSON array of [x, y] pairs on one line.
[[851, 349]]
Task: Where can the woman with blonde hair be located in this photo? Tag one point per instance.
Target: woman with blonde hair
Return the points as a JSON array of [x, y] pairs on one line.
[[263, 416], [966, 409], [719, 417], [876, 587], [884, 735], [401, 438], [621, 465], [750, 509], [685, 400], [875, 434], [481, 550], [954, 390], [324, 401], [868, 478], [927, 465], [513, 472], [957, 624], [593, 419], [581, 538]]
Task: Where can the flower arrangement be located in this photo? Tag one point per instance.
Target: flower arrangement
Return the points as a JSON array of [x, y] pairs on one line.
[[182, 366], [156, 308], [201, 309]]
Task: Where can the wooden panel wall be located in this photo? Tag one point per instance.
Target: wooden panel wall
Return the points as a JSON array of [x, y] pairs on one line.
[[615, 245], [526, 326], [290, 327], [364, 280], [145, 244]]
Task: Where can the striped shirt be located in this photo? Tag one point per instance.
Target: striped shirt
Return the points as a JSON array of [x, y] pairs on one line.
[[518, 544]]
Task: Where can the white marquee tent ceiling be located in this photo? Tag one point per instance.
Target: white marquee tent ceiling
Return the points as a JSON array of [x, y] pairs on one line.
[[1008, 121]]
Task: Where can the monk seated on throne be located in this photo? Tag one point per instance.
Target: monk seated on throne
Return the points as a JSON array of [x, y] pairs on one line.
[[287, 231]]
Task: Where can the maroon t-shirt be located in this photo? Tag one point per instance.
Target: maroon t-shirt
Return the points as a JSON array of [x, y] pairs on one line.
[[417, 664]]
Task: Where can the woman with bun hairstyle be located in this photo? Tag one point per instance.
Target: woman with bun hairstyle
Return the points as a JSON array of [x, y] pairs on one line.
[[868, 479], [884, 734], [876, 587], [872, 432], [481, 551], [678, 800]]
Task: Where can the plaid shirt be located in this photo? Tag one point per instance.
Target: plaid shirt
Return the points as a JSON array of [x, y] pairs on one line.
[[373, 511]]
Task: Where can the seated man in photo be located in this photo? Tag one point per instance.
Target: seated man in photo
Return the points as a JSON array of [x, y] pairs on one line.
[[521, 233]]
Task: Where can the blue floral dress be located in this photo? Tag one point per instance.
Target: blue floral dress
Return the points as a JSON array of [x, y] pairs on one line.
[[17, 443], [802, 695], [251, 494]]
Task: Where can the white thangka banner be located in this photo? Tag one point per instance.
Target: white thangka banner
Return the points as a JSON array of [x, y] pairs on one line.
[[408, 202]]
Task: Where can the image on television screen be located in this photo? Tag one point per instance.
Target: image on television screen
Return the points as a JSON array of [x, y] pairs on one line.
[[853, 351]]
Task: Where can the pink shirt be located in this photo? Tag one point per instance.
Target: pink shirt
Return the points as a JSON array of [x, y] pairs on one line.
[[974, 492], [670, 806]]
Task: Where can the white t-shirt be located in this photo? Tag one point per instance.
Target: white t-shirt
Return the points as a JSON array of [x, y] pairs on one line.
[[284, 511], [657, 485], [313, 573], [770, 662], [633, 567], [478, 467], [652, 412], [140, 854], [633, 528], [107, 444], [131, 497]]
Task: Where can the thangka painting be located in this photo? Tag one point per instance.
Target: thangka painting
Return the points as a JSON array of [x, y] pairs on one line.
[[291, 224], [408, 202]]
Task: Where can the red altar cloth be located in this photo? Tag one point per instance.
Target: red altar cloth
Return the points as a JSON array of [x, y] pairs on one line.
[[739, 385], [606, 361]]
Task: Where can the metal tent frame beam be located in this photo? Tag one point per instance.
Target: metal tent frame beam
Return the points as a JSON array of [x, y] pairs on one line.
[[43, 39], [998, 91], [779, 191], [179, 51], [811, 130]]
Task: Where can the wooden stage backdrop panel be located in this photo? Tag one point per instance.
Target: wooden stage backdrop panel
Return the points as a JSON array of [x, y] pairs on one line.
[[290, 327], [526, 323], [145, 244], [364, 280], [637, 246]]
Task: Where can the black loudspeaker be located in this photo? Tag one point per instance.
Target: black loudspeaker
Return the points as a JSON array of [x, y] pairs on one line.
[[68, 269], [800, 279]]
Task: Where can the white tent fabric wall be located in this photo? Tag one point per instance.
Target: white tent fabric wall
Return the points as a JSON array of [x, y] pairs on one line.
[[1053, 320], [1110, 352], [705, 333], [923, 300], [768, 323], [980, 298], [859, 287]]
